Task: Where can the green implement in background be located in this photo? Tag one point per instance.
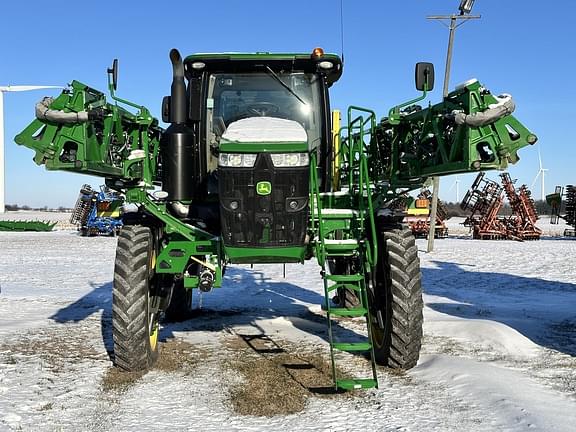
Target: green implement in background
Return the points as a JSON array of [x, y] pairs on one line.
[[26, 226]]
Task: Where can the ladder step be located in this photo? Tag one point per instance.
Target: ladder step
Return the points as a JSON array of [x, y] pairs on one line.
[[345, 278], [344, 312], [354, 384], [349, 286], [340, 193], [347, 246], [337, 213], [345, 242], [352, 346]]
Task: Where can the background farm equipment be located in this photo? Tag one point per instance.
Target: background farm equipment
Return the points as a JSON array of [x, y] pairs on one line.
[[97, 213], [522, 224], [26, 225], [485, 199], [571, 210], [256, 168], [418, 215], [555, 202]]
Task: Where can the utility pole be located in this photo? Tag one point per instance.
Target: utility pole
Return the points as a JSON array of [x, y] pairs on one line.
[[465, 9], [4, 89]]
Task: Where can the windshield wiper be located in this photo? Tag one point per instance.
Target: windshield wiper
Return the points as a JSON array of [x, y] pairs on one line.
[[277, 78]]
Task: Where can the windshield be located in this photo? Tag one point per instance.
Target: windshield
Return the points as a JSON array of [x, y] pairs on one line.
[[290, 96]]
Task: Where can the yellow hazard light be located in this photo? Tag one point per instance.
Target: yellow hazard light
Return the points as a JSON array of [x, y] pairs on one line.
[[317, 52]]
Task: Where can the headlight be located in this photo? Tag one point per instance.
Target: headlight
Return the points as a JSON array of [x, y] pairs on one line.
[[237, 160], [283, 160]]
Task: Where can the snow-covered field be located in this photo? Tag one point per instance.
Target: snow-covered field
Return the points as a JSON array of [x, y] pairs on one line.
[[498, 353]]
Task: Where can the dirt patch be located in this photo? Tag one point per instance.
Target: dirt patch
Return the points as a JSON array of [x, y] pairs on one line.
[[268, 390], [276, 379], [56, 349], [176, 356], [116, 379], [46, 407]]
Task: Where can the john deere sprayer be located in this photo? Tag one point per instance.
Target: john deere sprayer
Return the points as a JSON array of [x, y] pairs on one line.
[[254, 167]]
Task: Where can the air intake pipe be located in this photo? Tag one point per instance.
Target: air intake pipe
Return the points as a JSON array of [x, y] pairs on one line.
[[178, 155]]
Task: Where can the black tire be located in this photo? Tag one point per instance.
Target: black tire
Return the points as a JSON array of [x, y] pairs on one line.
[[180, 307], [345, 297], [134, 327], [395, 300]]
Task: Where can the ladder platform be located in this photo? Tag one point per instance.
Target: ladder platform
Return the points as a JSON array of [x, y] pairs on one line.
[[355, 384], [352, 346], [345, 312]]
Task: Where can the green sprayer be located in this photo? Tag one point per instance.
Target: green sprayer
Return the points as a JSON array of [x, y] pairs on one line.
[[254, 167]]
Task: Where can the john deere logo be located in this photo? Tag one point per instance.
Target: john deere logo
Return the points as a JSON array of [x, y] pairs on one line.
[[263, 188]]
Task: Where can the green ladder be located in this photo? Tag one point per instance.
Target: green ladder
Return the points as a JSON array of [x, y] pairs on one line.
[[334, 219], [331, 219]]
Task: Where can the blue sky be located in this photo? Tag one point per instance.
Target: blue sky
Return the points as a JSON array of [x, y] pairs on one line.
[[515, 48]]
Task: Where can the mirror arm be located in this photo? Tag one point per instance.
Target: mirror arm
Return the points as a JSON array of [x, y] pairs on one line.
[[113, 93], [394, 113]]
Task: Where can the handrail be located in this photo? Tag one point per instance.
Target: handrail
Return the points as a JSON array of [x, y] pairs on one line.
[[315, 189], [344, 145], [357, 153]]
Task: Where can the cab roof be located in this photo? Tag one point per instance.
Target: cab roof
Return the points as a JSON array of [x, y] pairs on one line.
[[254, 62]]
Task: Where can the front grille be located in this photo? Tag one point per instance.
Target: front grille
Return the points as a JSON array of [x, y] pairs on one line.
[[274, 220]]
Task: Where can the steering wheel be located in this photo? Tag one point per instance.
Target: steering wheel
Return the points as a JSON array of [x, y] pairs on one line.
[[262, 109]]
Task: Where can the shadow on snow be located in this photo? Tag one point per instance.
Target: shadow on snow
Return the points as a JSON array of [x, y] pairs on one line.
[[246, 297], [541, 310], [96, 301]]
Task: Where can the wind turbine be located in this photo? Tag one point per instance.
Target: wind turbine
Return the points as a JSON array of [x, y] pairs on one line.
[[4, 89], [541, 173], [457, 184]]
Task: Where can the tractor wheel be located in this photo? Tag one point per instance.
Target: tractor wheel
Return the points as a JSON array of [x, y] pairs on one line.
[[180, 307], [345, 298], [395, 299], [135, 326]]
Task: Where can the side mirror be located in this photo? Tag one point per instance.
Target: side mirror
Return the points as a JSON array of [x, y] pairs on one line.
[[114, 72], [424, 76], [166, 109]]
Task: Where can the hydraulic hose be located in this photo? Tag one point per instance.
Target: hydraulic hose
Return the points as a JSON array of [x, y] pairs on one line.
[[43, 112], [503, 107]]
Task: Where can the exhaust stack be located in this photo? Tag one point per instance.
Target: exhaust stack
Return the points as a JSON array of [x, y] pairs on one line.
[[178, 155], [177, 90]]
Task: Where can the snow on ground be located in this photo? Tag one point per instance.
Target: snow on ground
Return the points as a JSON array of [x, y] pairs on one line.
[[498, 352]]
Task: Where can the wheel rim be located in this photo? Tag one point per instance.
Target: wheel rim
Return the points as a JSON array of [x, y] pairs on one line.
[[153, 332], [377, 334], [153, 326], [377, 294]]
